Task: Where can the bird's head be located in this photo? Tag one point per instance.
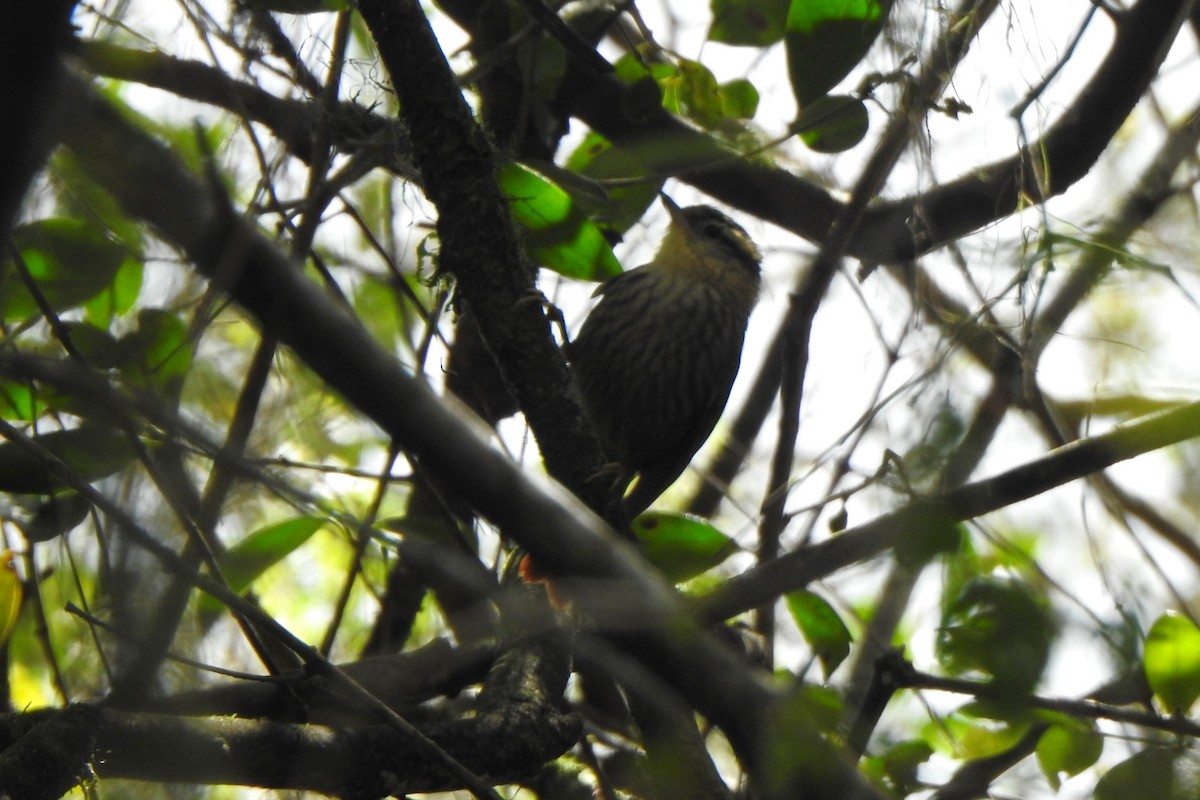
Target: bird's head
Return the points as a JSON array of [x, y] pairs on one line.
[[701, 238]]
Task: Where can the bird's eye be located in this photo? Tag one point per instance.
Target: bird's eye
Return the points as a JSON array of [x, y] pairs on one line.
[[714, 230]]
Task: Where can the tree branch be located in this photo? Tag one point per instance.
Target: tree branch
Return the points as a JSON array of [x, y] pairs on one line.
[[479, 247], [351, 127], [367, 761], [907, 524], [899, 230]]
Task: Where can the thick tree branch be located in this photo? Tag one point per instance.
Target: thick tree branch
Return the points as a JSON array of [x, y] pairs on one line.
[[479, 247], [504, 744], [31, 36], [401, 680]]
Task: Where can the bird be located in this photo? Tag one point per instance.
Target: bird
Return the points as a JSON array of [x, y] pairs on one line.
[[657, 356]]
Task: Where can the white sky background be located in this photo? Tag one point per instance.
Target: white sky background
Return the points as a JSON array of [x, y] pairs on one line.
[[1019, 45]]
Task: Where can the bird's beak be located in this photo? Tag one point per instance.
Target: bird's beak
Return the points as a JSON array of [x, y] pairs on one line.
[[674, 210]]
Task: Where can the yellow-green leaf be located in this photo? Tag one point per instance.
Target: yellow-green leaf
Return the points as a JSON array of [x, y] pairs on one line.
[[1172, 661], [11, 594], [559, 235], [681, 546]]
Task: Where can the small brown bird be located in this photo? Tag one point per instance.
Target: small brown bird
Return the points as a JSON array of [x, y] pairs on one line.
[[657, 356]]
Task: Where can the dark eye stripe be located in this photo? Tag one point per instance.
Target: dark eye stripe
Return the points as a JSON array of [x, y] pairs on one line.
[[711, 224]]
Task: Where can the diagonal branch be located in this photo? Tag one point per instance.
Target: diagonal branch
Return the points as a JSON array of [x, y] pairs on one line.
[[1079, 459]]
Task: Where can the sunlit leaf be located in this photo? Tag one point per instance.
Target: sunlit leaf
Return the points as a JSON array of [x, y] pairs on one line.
[[822, 628], [91, 452], [559, 235], [18, 401], [1172, 661], [739, 99], [11, 594], [119, 296], [681, 546], [696, 93]]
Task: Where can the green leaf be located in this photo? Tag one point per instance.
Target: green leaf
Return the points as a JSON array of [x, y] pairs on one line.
[[826, 39], [19, 402], [119, 296], [695, 93], [264, 548], [1001, 627], [625, 202], [899, 764], [681, 546], [159, 350], [755, 23], [739, 99], [1153, 773], [930, 536], [792, 745], [822, 628], [1172, 661], [924, 461], [1068, 747], [92, 452], [98, 347], [68, 260], [689, 89], [560, 235], [833, 124], [965, 734]]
